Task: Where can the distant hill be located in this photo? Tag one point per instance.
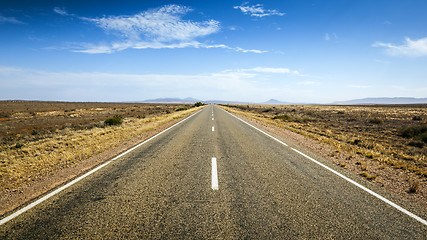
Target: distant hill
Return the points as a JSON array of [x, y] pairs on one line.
[[274, 102], [396, 100], [367, 101]]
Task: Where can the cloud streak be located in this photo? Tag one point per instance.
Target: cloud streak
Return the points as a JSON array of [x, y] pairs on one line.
[[258, 10], [12, 20], [160, 28], [410, 48]]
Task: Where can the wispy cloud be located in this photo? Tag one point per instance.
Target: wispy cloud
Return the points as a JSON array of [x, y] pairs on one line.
[[271, 70], [163, 24], [410, 48], [158, 28], [61, 11], [12, 20], [332, 36], [258, 10], [119, 46]]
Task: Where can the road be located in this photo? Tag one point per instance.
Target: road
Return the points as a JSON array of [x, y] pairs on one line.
[[170, 188]]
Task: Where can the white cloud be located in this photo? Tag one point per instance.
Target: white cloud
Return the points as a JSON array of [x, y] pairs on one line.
[[271, 70], [13, 20], [410, 48], [156, 29], [119, 46], [307, 83], [163, 24], [258, 10], [332, 36], [60, 11]]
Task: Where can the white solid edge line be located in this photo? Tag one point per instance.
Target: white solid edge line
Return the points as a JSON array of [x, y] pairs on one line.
[[56, 191], [365, 189], [214, 175], [401, 209]]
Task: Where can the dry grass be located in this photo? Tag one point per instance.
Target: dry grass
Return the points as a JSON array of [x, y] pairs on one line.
[[26, 158]]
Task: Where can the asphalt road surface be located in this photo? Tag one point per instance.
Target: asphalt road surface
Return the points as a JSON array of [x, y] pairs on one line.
[[170, 188]]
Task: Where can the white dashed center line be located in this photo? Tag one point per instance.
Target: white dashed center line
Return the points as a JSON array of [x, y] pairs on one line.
[[213, 128], [214, 175]]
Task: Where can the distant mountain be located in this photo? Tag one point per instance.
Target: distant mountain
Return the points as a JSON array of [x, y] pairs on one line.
[[274, 102], [172, 100], [225, 102], [396, 100]]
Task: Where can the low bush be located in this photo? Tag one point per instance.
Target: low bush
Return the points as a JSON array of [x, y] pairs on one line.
[[181, 109], [376, 121], [413, 131], [198, 104], [418, 144], [414, 187], [283, 117], [116, 120]]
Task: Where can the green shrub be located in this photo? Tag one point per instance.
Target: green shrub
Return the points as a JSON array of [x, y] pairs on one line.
[[198, 104], [413, 131], [376, 121], [17, 146], [116, 120], [283, 117], [181, 109], [418, 144], [423, 137], [417, 118]]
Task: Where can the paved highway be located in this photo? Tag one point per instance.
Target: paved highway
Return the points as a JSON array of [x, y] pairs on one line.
[[214, 177]]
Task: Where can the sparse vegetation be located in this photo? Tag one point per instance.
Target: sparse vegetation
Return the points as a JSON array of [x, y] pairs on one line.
[[283, 117], [198, 104], [116, 120], [414, 187], [376, 120]]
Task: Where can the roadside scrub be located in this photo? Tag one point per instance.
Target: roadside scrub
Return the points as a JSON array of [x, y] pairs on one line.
[[27, 161]]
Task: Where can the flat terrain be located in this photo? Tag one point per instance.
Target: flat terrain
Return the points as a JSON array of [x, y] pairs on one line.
[[163, 190], [20, 119]]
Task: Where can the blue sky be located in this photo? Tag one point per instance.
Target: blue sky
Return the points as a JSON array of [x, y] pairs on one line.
[[296, 51]]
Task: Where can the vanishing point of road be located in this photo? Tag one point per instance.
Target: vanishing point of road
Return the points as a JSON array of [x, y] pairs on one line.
[[212, 176]]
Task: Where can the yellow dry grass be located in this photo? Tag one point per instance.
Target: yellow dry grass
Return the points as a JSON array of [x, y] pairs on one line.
[[67, 147]]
